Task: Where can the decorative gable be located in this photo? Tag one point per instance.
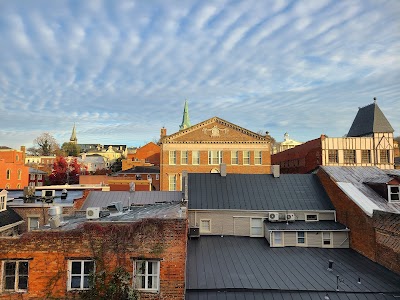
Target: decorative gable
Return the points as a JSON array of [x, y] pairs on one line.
[[215, 130]]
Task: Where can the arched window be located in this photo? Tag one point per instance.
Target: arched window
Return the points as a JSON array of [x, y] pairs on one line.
[[19, 174], [18, 186], [7, 186], [8, 174]]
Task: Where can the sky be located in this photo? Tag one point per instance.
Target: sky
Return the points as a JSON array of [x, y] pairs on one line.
[[122, 70]]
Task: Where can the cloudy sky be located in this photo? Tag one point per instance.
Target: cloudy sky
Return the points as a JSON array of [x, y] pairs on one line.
[[121, 70]]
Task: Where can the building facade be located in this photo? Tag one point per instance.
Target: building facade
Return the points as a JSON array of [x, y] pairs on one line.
[[13, 172], [203, 147]]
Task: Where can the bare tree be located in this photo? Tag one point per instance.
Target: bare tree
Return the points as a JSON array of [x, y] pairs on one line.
[[45, 144]]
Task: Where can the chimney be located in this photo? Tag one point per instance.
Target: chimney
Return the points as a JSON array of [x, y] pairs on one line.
[[23, 148], [163, 132], [275, 171], [185, 185], [222, 170]]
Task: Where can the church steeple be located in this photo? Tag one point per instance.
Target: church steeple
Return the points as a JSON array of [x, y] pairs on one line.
[[73, 138], [185, 120]]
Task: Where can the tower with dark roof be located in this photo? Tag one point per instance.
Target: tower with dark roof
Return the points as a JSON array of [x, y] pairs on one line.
[[73, 139], [185, 120]]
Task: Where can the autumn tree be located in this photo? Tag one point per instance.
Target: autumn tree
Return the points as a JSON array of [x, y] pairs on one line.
[[45, 144], [66, 173]]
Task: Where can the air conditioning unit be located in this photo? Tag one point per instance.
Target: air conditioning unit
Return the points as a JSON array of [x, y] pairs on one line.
[[290, 217], [55, 222], [92, 213], [273, 217], [194, 232]]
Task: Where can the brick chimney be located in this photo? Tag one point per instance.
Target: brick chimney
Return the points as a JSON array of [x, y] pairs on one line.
[[163, 132], [23, 149]]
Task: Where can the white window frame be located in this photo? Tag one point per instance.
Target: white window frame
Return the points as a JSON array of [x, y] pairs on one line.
[[246, 157], [234, 157], [327, 236], [172, 157], [298, 237], [254, 227], [214, 157], [3, 203], [308, 219], [172, 182], [349, 156], [82, 275], [8, 174], [258, 157], [157, 176], [184, 157], [275, 238], [202, 229], [33, 220], [146, 275], [17, 276], [394, 193], [195, 157]]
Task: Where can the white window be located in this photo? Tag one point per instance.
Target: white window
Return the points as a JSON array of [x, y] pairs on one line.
[[214, 157], [147, 275], [205, 226], [301, 238], [333, 156], [172, 157], [148, 176], [394, 193], [39, 177], [32, 176], [15, 275], [278, 241], [79, 272], [195, 157], [172, 182], [311, 217], [33, 223], [2, 203], [235, 157], [246, 157], [157, 176], [257, 158], [256, 228], [184, 157], [326, 239]]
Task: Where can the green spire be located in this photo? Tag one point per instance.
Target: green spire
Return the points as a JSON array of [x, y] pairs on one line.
[[185, 120], [73, 138]]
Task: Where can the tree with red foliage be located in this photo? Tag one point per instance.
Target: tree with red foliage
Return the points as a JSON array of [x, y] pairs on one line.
[[66, 173]]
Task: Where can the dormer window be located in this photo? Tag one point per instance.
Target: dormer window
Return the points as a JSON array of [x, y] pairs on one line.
[[2, 203], [394, 193]]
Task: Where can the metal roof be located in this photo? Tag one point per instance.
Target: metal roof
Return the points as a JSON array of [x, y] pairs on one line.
[[352, 182], [141, 169], [303, 225], [244, 264], [368, 120], [102, 199], [257, 192]]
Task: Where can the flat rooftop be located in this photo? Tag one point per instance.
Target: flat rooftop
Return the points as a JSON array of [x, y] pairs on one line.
[[247, 268]]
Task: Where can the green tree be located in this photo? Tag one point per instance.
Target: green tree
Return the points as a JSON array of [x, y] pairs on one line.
[[71, 149]]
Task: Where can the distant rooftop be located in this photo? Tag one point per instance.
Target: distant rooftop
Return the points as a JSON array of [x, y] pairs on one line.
[[243, 268]]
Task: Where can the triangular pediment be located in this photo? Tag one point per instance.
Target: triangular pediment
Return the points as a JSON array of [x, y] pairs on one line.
[[215, 130]]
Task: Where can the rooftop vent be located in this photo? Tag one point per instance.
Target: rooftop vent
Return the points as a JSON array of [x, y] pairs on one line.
[[275, 171], [115, 207]]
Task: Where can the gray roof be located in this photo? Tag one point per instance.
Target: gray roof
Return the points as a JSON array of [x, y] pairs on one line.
[[369, 119], [141, 170], [102, 199], [303, 225], [257, 192], [36, 171], [244, 264], [9, 217], [357, 177]]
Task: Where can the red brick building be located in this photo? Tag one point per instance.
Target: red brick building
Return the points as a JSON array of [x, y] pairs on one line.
[[13, 172], [366, 200], [57, 261], [149, 153]]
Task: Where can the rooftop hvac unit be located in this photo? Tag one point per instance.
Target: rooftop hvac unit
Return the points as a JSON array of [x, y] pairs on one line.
[[273, 217], [290, 217], [54, 211], [115, 207], [55, 222], [92, 213], [194, 232], [48, 193]]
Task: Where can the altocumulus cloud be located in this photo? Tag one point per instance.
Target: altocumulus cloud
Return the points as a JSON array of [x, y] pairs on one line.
[[121, 70]]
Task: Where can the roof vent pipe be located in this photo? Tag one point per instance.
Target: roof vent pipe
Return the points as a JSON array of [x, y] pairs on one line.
[[222, 170], [276, 171]]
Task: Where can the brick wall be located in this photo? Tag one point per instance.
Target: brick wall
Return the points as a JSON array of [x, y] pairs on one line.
[[116, 244]]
